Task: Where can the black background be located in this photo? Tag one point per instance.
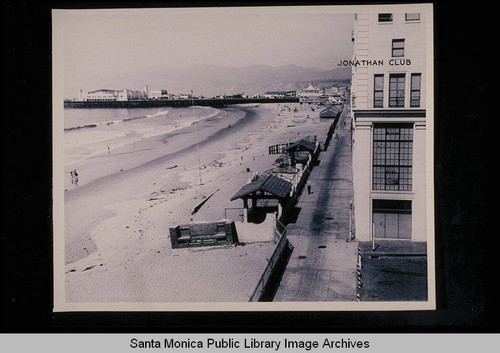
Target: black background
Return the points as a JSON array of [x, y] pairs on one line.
[[466, 185]]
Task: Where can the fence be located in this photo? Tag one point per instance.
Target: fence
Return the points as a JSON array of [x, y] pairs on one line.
[[278, 149]]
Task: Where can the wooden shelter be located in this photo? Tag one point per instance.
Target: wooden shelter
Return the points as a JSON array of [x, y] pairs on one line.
[[300, 151], [330, 112], [269, 187]]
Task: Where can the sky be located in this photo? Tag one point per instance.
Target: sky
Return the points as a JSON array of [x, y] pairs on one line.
[[97, 43]]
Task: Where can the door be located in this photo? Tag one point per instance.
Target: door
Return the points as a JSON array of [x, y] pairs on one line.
[[392, 219]]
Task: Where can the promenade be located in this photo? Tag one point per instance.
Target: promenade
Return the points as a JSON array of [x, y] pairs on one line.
[[322, 266]]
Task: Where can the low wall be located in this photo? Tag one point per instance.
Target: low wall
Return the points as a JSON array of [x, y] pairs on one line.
[[271, 277], [252, 232]]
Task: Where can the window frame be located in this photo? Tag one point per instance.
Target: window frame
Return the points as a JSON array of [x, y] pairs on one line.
[[376, 100], [399, 101], [392, 158], [419, 90], [412, 20], [393, 49], [391, 20]]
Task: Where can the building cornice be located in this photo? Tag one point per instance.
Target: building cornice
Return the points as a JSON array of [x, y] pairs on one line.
[[389, 113]]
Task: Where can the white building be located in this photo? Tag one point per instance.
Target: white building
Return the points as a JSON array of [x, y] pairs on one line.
[[312, 94], [389, 119], [159, 94], [111, 95], [101, 95], [280, 94]]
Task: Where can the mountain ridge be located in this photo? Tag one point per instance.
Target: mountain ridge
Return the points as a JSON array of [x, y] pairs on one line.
[[211, 80]]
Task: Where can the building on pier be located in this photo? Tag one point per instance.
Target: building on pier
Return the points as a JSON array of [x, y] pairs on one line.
[[111, 95], [312, 94]]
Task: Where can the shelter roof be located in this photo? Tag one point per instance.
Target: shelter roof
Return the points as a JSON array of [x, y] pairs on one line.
[[271, 184], [285, 169], [329, 111], [301, 145], [104, 90]]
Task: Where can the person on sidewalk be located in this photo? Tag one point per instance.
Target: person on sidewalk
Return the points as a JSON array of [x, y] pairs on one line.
[[309, 188]]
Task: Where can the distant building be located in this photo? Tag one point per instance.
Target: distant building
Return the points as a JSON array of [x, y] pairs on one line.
[[110, 95], [280, 94], [390, 121], [312, 94], [182, 96], [159, 94]]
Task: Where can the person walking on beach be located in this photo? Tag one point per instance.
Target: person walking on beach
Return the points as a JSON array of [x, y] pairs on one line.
[[108, 147], [72, 177], [75, 177]]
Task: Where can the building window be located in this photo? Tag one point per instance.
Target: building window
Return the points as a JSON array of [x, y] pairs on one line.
[[378, 91], [385, 17], [396, 90], [392, 157], [398, 48], [415, 16], [392, 219], [415, 90]]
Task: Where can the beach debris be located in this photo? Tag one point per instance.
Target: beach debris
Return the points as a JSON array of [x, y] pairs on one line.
[[175, 189], [172, 167], [200, 205], [88, 268], [155, 198]]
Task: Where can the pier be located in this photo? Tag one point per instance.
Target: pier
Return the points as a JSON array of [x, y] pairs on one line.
[[150, 103]]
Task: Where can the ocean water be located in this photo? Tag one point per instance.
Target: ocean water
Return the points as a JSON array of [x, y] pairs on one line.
[[89, 132]]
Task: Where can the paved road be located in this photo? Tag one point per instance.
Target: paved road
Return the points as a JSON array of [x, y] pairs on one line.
[[323, 264]]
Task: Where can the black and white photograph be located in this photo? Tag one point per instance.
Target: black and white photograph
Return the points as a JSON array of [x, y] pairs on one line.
[[243, 158]]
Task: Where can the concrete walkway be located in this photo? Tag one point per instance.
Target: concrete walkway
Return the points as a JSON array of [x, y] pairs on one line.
[[323, 264]]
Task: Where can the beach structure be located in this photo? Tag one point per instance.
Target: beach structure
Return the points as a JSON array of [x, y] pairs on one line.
[[331, 112], [389, 120], [267, 194], [277, 189], [302, 151]]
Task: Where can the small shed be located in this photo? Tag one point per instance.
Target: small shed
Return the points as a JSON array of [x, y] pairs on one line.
[[300, 151], [285, 172], [270, 187], [330, 112]]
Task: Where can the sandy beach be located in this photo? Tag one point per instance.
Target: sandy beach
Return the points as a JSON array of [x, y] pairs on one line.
[[117, 218]]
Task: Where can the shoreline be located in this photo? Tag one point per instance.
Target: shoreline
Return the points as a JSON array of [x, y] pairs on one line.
[[137, 145]]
